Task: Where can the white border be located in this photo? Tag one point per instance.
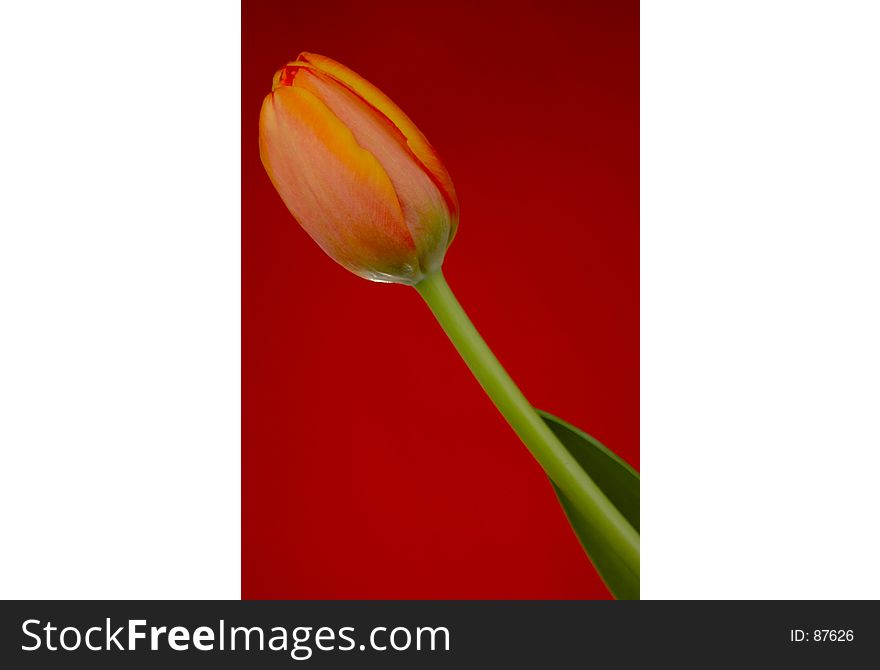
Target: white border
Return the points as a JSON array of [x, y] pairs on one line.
[[119, 300], [760, 299]]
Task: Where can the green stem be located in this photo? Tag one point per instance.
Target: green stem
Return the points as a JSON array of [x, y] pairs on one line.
[[557, 462]]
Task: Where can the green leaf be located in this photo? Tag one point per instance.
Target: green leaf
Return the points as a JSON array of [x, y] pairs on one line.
[[620, 483]]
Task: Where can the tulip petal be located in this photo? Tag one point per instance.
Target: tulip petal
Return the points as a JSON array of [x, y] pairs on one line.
[[337, 190], [424, 207], [417, 142]]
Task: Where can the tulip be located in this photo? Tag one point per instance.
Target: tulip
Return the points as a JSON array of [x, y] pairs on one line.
[[367, 186], [357, 174]]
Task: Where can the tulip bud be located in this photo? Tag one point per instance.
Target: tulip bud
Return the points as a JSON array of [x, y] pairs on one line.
[[356, 173]]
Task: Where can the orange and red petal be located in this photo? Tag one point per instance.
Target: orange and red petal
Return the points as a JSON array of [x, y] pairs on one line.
[[337, 190], [417, 142], [424, 207]]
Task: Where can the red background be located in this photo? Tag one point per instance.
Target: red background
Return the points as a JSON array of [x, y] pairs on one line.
[[373, 465]]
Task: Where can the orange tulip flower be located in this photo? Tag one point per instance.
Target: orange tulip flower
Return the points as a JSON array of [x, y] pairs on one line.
[[356, 172], [367, 186]]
